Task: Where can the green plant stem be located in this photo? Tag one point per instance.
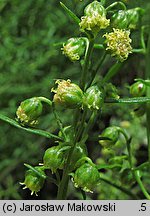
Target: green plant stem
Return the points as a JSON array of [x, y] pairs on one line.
[[96, 70], [89, 126], [124, 190], [59, 121], [86, 64], [112, 71], [136, 100], [46, 100], [136, 50], [147, 76], [116, 4], [135, 173], [63, 186]]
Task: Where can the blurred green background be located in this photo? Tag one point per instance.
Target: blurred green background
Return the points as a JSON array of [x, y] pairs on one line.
[[30, 61]]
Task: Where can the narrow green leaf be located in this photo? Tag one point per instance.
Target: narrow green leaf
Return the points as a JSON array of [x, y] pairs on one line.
[[129, 100], [31, 130], [70, 13], [34, 170]]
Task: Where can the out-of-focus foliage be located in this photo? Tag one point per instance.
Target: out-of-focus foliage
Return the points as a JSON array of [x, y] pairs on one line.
[[29, 65]]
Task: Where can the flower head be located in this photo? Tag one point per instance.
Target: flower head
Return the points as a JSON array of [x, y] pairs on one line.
[[68, 94], [29, 111], [94, 23], [34, 181], [86, 177], [74, 48], [118, 43], [94, 18]]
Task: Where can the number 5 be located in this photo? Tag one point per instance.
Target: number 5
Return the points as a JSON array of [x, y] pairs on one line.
[[143, 207]]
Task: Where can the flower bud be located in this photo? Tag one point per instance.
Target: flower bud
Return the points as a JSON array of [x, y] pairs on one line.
[[94, 19], [118, 43], [68, 94], [86, 177], [53, 158], [33, 181], [111, 91], [74, 48], [109, 136], [134, 16], [29, 111], [120, 20], [138, 89], [93, 98], [126, 19]]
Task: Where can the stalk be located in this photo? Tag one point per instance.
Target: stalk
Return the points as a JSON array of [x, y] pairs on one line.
[[136, 173], [63, 186], [86, 64], [147, 76]]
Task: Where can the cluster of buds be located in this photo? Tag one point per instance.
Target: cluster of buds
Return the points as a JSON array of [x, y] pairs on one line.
[[126, 19], [70, 95], [94, 18], [86, 177], [74, 48], [118, 43]]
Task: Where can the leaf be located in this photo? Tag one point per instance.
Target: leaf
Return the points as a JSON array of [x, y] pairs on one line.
[[35, 170], [129, 100], [70, 13], [30, 130]]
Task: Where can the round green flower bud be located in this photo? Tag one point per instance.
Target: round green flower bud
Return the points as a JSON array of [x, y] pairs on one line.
[[120, 20], [33, 181], [86, 177], [138, 89], [134, 16], [94, 19], [53, 158], [109, 136], [74, 48], [93, 98], [29, 111], [126, 19], [68, 94], [94, 8]]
